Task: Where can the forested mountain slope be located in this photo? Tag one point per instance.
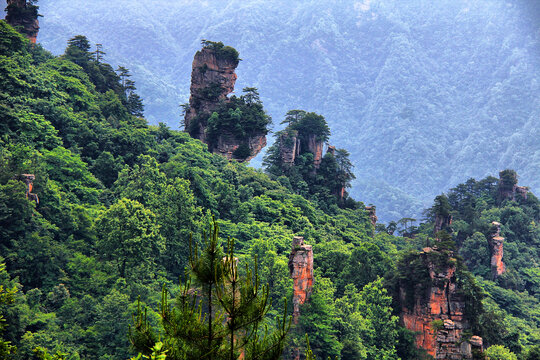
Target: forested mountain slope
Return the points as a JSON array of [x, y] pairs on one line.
[[97, 208], [429, 92]]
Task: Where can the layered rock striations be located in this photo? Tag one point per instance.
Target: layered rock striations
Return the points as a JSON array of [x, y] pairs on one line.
[[496, 242], [434, 309], [23, 16], [213, 78], [301, 271]]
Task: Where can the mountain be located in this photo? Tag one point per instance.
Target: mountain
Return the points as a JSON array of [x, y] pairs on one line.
[[423, 94]]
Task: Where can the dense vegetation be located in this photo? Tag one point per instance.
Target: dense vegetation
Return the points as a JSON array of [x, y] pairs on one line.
[[510, 309], [324, 185], [118, 200]]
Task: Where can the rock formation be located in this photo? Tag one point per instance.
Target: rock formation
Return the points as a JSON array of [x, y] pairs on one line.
[[372, 214], [496, 241], [442, 222], [508, 187], [301, 270], [289, 147], [28, 179], [23, 17], [212, 79], [436, 313], [315, 146]]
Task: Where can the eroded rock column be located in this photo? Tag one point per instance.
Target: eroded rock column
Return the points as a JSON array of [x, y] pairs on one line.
[[301, 270], [496, 242]]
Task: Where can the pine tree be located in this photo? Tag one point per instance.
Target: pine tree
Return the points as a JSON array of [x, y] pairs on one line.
[[219, 313]]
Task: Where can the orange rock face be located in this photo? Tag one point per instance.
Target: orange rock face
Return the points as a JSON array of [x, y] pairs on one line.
[[301, 270], [437, 313], [496, 242], [28, 180]]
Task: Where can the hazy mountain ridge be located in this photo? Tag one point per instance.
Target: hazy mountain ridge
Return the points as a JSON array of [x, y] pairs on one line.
[[423, 96]]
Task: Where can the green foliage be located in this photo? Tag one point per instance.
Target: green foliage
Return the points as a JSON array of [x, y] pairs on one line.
[[474, 206], [129, 236], [221, 318], [498, 352], [222, 52], [325, 185], [241, 117]]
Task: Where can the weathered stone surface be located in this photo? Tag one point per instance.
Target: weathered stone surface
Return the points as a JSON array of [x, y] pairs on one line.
[[315, 146], [28, 179], [372, 214], [289, 147], [301, 270], [208, 72], [29, 26], [496, 242], [442, 222], [440, 301], [212, 80]]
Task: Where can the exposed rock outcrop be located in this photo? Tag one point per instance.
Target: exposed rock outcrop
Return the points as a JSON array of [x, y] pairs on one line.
[[212, 79], [23, 17], [28, 179], [372, 214], [315, 146], [436, 313], [508, 188], [289, 147], [301, 270], [443, 222], [496, 242]]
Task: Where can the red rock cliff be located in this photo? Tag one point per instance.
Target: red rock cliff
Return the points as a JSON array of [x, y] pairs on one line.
[[301, 270], [496, 242], [436, 314], [23, 17]]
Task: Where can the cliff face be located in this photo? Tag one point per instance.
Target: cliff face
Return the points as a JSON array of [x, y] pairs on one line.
[[436, 314], [496, 247], [442, 222], [301, 270], [23, 17], [213, 78], [372, 214], [508, 188], [315, 147], [289, 147]]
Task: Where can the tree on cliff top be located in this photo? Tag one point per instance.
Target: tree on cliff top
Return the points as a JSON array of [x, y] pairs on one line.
[[222, 51]]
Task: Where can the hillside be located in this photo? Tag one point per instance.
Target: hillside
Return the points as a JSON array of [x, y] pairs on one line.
[[432, 93], [101, 215]]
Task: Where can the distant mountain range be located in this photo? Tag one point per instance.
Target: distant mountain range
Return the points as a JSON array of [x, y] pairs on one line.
[[423, 94]]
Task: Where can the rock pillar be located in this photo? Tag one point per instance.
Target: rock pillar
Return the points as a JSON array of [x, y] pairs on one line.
[[301, 270], [496, 242]]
